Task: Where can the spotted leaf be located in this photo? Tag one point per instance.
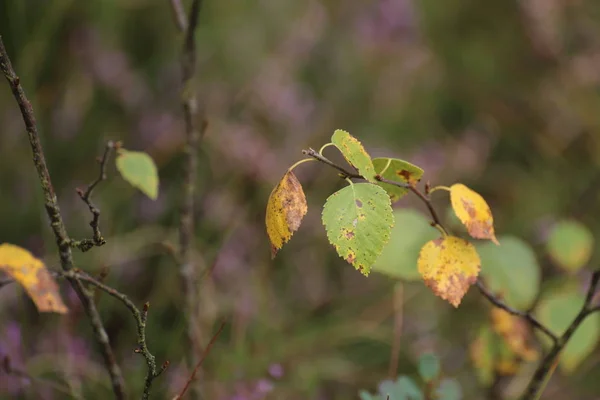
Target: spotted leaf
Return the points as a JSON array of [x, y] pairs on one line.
[[473, 212], [354, 152], [358, 220], [285, 209], [396, 170], [449, 266]]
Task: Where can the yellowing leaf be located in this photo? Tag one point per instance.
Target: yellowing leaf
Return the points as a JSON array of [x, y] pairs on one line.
[[473, 212], [139, 170], [449, 265], [397, 170], [492, 356], [31, 273], [515, 333], [285, 209], [358, 220], [354, 152]]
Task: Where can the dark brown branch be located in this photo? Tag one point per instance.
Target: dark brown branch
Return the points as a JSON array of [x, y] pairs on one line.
[[523, 314], [56, 222], [536, 385], [199, 364], [140, 317], [97, 239]]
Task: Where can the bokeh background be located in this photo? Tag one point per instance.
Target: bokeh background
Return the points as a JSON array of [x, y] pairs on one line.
[[503, 96]]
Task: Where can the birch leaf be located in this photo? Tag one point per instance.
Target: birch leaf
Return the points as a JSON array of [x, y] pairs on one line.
[[354, 152], [285, 209], [139, 170], [358, 220], [473, 212], [449, 266], [32, 274], [396, 170]]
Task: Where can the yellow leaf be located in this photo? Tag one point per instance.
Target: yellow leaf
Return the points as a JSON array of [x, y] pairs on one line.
[[473, 212], [449, 265], [31, 273], [285, 209], [515, 333]]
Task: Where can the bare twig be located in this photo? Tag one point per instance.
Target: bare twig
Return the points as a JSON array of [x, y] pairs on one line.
[[546, 367], [140, 317], [97, 239], [347, 174], [199, 364], [56, 222], [188, 268], [179, 14], [523, 314]]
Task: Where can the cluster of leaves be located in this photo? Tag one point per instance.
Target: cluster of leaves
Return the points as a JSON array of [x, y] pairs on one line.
[[367, 233], [359, 218], [405, 388], [139, 170]]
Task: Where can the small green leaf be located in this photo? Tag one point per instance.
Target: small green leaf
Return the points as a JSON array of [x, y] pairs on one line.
[[570, 245], [139, 170], [354, 152], [511, 270], [449, 389], [403, 388], [396, 170], [358, 220], [399, 257], [556, 310], [429, 367]]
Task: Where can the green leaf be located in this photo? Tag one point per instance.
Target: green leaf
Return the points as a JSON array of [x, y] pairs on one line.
[[139, 170], [396, 170], [358, 220], [449, 389], [570, 245], [511, 270], [429, 367], [399, 257], [354, 152], [556, 310], [403, 388]]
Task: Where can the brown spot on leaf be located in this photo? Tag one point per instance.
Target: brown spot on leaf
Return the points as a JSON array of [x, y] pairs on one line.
[[469, 208], [404, 174], [358, 203]]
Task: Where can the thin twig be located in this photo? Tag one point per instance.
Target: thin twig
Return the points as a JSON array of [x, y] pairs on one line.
[[325, 160], [140, 317], [97, 239], [523, 314], [179, 14], [398, 303], [188, 268], [546, 367], [199, 364], [56, 222]]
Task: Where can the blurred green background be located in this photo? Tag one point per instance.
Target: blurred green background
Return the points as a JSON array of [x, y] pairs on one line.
[[503, 96]]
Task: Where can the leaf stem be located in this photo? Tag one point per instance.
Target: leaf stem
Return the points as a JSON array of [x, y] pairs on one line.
[[326, 145], [433, 189], [300, 162]]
